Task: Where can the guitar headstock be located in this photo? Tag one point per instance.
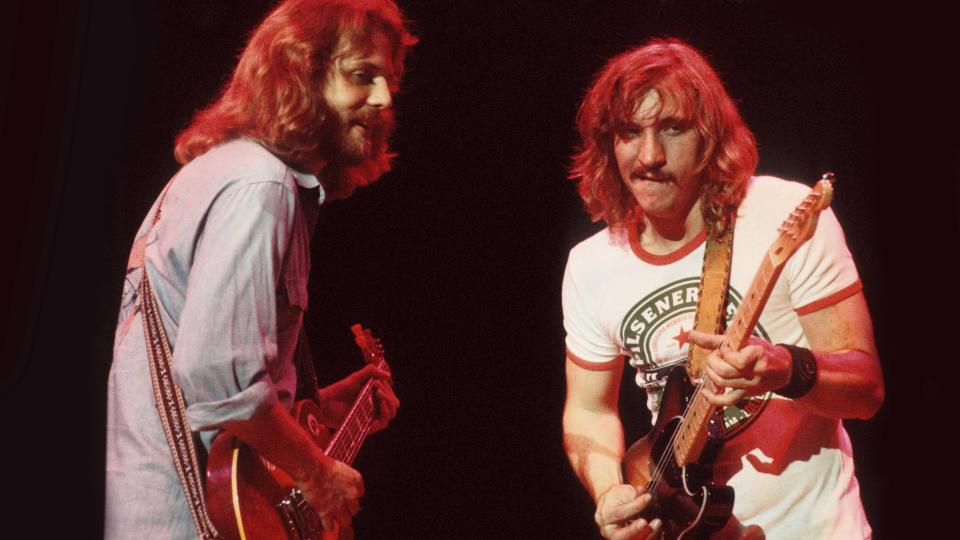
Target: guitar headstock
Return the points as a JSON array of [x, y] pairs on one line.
[[802, 222], [370, 346]]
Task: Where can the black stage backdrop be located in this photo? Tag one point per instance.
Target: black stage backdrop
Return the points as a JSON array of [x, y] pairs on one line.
[[455, 259]]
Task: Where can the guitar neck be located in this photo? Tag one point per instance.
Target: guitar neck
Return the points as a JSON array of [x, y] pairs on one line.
[[353, 431], [692, 433], [745, 320], [795, 230], [351, 434]]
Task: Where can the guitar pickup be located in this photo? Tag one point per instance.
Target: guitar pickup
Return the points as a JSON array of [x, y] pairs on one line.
[[298, 517]]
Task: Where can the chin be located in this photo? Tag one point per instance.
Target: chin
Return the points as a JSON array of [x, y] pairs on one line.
[[353, 157], [356, 152]]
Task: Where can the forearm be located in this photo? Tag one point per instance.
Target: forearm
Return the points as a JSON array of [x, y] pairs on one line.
[[277, 437], [333, 489], [848, 385], [849, 381], [593, 441]]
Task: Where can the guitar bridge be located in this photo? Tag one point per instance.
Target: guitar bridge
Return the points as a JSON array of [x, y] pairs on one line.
[[298, 517]]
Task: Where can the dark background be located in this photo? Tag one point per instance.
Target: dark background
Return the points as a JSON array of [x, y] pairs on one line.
[[455, 258]]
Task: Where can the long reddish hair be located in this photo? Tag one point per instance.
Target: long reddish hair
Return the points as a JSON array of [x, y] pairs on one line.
[[275, 94], [693, 91]]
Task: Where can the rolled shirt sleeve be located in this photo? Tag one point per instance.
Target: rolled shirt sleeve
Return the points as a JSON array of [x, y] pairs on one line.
[[226, 348]]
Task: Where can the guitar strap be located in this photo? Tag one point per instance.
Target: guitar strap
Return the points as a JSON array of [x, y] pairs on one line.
[[307, 383], [713, 294], [170, 404]]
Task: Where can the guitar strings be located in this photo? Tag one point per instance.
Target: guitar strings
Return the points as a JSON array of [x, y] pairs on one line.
[[696, 400], [365, 418], [364, 431], [670, 450], [345, 438], [764, 274], [346, 442]]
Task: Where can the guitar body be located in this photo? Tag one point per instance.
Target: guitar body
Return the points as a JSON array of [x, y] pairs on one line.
[[686, 499], [250, 498]]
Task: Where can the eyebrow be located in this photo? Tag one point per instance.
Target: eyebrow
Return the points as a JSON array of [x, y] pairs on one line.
[[365, 63], [673, 118]]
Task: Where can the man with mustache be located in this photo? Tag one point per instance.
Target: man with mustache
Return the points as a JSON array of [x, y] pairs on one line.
[[667, 162], [225, 249]]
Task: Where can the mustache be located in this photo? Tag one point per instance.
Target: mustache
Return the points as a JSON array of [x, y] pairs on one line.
[[375, 119], [656, 176]]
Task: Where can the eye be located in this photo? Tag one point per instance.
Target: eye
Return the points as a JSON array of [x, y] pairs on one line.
[[628, 133], [673, 128], [362, 76]]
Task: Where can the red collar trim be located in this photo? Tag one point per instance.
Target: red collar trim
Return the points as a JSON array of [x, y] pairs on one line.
[[671, 257]]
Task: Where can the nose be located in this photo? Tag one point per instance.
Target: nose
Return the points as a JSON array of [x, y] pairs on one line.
[[651, 154], [380, 94]]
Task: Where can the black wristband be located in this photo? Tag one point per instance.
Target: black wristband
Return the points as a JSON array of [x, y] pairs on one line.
[[803, 374]]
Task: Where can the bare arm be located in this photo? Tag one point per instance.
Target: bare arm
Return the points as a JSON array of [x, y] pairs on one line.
[[849, 380], [592, 433], [332, 488], [593, 440]]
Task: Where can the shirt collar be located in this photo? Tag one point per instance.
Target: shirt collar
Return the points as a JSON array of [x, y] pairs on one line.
[[308, 181]]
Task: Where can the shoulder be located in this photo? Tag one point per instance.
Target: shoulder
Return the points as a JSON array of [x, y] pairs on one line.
[[237, 174], [231, 167], [602, 243], [239, 163], [770, 189], [770, 198], [597, 253]]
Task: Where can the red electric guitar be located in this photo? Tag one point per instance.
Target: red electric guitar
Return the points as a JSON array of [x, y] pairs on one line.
[[248, 498]]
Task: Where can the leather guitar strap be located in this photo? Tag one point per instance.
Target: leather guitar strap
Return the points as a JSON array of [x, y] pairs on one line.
[[170, 402], [713, 294]]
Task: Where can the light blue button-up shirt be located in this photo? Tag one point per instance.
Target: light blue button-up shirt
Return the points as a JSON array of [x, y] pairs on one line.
[[228, 261]]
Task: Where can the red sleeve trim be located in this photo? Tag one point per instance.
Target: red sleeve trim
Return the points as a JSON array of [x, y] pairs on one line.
[[595, 366], [834, 298]]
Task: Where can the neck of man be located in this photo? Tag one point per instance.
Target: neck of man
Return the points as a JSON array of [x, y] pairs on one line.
[[664, 235], [318, 167], [328, 173]]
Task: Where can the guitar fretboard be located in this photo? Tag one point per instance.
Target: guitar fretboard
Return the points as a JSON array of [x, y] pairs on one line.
[[691, 435], [349, 437]]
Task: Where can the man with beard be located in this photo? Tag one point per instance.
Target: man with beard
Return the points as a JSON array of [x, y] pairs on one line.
[[667, 162], [225, 254]]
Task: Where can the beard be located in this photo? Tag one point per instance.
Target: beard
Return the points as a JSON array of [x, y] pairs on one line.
[[349, 142], [348, 157]]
